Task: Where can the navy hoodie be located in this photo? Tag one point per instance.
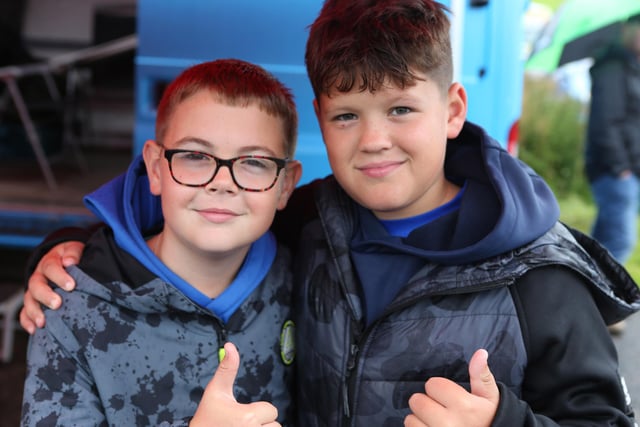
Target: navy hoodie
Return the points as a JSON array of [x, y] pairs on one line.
[[503, 205]]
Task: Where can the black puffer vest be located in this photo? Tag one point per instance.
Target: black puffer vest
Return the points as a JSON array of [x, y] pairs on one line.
[[350, 375]]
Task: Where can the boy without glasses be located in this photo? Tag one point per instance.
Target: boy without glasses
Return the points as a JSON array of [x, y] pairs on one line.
[[139, 340], [431, 254], [430, 242]]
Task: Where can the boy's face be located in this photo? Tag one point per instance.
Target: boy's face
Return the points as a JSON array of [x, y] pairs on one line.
[[218, 218], [387, 149]]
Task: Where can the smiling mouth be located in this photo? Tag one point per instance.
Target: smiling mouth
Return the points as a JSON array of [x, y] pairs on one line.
[[218, 216], [379, 170]]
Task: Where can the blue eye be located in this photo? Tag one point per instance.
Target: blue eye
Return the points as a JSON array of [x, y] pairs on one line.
[[399, 111], [193, 156], [256, 163], [345, 117]]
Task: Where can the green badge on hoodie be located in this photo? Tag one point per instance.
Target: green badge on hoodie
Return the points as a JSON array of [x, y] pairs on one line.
[[287, 342]]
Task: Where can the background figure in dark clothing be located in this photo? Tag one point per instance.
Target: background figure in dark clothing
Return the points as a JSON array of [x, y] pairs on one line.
[[613, 142]]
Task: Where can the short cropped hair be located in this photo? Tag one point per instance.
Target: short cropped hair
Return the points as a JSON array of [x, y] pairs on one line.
[[237, 83], [370, 42]]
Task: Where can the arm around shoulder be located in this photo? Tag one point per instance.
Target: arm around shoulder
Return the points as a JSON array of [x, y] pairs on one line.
[[47, 265], [57, 237]]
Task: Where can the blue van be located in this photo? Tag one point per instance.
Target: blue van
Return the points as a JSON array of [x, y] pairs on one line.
[[487, 38]]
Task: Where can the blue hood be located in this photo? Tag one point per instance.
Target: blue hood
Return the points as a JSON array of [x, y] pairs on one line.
[[526, 207], [126, 205]]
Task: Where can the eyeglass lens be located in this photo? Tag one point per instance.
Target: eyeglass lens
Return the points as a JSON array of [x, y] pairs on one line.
[[250, 173]]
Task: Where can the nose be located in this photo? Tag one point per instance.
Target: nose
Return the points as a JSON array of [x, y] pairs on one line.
[[223, 180], [374, 137]]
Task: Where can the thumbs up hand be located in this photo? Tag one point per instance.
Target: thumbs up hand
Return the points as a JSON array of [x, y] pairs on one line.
[[447, 403], [219, 407]]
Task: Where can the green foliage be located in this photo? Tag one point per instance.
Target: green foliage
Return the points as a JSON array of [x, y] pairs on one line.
[[552, 130], [633, 264], [579, 213], [552, 142], [554, 4]]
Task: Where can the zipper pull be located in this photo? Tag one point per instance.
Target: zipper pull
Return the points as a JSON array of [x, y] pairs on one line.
[[345, 400], [353, 353], [351, 363]]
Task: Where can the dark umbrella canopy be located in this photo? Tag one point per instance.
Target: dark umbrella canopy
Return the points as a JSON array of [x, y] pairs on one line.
[[590, 44], [579, 29]]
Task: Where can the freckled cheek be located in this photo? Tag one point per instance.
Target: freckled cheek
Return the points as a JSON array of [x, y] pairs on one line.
[[340, 153]]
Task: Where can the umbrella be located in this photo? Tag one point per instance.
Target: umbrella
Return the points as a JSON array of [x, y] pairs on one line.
[[578, 30]]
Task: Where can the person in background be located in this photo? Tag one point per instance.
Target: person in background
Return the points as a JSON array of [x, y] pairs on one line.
[[138, 341], [612, 155], [434, 283]]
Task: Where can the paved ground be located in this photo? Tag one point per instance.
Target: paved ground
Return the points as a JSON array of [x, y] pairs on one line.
[[628, 344]]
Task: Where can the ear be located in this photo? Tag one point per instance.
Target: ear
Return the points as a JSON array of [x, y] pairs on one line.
[[292, 175], [316, 108], [152, 155], [457, 106]]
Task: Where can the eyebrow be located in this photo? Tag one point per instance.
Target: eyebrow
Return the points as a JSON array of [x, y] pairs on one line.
[[191, 139], [210, 146]]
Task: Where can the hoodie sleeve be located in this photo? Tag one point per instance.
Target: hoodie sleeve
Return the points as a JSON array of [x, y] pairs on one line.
[[59, 388], [572, 373]]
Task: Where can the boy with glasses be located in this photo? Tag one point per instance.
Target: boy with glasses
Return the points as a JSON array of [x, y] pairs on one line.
[[139, 340]]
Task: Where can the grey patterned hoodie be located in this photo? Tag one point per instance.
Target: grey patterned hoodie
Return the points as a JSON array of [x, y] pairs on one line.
[[130, 348]]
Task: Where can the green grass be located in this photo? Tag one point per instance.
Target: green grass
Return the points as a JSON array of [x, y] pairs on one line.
[[580, 214]]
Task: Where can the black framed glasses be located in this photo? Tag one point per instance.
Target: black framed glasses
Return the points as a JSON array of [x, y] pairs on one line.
[[250, 173]]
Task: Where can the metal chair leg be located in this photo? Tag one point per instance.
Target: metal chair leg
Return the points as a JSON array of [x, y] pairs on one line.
[[32, 134], [9, 310]]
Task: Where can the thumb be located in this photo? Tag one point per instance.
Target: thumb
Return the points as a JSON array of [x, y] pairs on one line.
[[483, 384], [225, 376]]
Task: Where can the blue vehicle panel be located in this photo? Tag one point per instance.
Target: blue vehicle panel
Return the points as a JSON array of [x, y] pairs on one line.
[[173, 35]]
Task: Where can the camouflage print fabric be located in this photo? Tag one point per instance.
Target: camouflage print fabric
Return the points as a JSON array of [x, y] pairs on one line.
[[121, 356], [352, 375]]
